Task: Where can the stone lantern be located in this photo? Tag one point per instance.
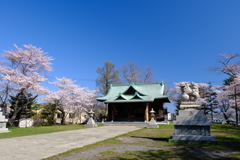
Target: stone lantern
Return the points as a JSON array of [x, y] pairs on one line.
[[152, 114], [152, 123], [90, 122]]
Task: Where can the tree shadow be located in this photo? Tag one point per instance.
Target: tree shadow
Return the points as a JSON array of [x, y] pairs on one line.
[[182, 153], [160, 155], [152, 138], [228, 142]]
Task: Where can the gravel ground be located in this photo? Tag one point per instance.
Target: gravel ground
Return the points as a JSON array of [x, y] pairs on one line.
[[41, 146], [137, 144], [94, 153]]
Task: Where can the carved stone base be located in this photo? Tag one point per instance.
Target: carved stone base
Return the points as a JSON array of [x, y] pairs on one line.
[[193, 139], [152, 124], [3, 122], [4, 130], [192, 126], [91, 123]]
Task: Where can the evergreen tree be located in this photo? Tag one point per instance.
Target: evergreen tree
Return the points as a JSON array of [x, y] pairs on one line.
[[26, 100], [177, 105], [211, 102], [48, 113], [228, 81]]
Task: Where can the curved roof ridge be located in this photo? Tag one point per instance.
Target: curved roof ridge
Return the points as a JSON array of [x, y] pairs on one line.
[[122, 96], [136, 95], [133, 86]]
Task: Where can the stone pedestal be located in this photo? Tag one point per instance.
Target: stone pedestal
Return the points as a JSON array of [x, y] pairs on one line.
[[3, 122], [91, 123], [192, 125], [152, 124]]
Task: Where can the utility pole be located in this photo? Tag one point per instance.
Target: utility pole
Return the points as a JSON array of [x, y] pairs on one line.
[[236, 107]]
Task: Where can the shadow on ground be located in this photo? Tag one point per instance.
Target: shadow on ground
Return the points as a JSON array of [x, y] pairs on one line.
[[177, 153], [154, 139], [228, 142]]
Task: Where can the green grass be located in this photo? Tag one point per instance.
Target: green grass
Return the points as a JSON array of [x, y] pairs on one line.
[[106, 153], [19, 132], [227, 135], [236, 155], [161, 155]]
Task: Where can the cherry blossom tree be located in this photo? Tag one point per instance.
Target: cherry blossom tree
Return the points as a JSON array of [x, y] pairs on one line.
[[229, 64], [232, 91], [22, 74], [224, 102], [70, 97]]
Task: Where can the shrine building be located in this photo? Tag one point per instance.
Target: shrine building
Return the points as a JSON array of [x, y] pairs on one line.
[[132, 102]]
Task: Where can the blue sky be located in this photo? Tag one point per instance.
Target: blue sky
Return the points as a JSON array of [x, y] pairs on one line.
[[178, 39]]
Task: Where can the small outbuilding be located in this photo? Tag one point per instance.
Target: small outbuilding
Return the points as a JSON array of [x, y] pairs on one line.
[[132, 102]]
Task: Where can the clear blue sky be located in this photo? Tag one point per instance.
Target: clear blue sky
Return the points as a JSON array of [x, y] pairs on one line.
[[179, 39]]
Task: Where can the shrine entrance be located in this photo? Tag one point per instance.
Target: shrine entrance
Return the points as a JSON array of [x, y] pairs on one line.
[[127, 112]]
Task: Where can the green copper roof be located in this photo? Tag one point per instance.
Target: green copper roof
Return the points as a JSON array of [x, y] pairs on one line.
[[146, 92]]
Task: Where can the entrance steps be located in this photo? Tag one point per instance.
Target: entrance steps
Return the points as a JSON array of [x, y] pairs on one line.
[[124, 123]]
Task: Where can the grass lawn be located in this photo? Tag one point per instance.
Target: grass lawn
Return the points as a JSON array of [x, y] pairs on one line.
[[157, 140], [19, 132]]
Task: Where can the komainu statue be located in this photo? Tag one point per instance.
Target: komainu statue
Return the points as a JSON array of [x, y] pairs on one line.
[[189, 91]]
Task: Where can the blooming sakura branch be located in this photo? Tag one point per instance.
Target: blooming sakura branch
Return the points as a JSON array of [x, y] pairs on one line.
[[70, 97], [22, 73]]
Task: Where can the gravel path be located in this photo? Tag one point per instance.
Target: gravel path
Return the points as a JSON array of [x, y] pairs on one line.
[[142, 142], [92, 153], [46, 145]]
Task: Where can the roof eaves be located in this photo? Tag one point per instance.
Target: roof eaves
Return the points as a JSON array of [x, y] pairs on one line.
[[131, 101], [164, 97]]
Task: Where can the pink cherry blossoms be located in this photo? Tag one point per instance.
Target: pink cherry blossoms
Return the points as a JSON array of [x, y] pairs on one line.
[[70, 97], [22, 73], [24, 69]]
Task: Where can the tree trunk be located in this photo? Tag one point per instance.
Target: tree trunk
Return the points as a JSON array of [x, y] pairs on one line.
[[14, 116], [63, 121], [225, 117], [63, 118]]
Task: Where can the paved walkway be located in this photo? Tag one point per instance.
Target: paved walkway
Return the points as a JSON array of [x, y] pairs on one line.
[[46, 145]]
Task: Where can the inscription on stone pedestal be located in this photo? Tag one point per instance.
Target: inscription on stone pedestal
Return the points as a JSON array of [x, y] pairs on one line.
[[192, 130]]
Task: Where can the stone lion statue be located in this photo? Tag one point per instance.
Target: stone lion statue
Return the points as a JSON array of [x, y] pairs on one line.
[[189, 91]]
